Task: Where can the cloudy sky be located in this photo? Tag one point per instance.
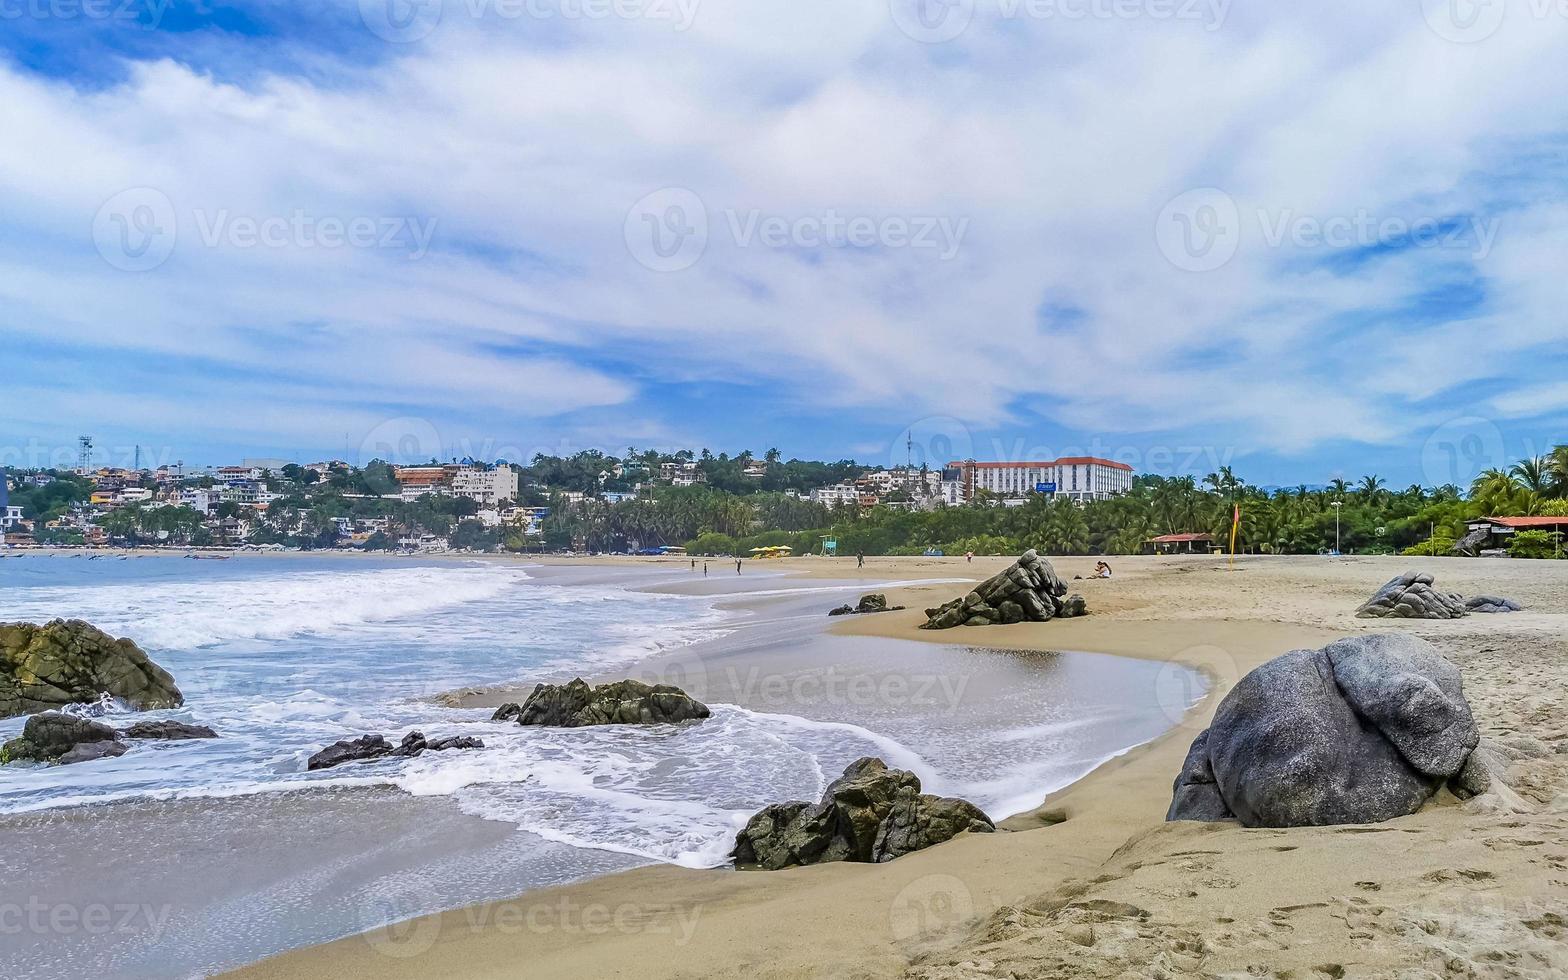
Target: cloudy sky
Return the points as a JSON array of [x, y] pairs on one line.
[[1308, 240]]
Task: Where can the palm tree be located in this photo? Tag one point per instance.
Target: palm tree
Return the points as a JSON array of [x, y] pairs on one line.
[[1534, 473], [1496, 492], [1371, 488], [1557, 466]]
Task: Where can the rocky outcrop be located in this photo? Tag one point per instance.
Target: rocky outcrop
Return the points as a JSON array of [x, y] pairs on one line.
[[871, 602], [870, 814], [70, 662], [1364, 730], [168, 731], [64, 739], [1411, 596], [576, 705], [1029, 591], [369, 747], [1491, 604]]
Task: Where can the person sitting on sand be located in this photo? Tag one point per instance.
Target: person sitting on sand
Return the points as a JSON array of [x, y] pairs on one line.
[[1102, 570]]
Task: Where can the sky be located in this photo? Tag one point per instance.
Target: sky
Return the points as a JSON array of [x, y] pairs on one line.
[[1307, 241]]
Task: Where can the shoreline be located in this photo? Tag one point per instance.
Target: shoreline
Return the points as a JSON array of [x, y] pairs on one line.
[[967, 907], [959, 908]]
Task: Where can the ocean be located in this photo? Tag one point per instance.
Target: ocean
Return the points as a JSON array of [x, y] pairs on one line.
[[246, 854]]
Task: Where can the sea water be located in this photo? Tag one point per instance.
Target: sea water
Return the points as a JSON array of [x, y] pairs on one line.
[[282, 656]]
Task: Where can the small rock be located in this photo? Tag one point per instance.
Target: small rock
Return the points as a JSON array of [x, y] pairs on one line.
[[629, 702], [54, 736], [169, 731], [871, 814], [350, 750]]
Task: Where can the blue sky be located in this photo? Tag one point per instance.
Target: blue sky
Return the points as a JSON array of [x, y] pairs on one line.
[[1303, 243]]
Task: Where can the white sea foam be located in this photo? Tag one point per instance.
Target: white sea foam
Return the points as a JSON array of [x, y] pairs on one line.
[[184, 615]]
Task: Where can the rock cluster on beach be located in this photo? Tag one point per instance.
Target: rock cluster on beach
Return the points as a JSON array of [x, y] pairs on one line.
[[870, 814], [871, 602], [577, 704], [71, 662], [1491, 604], [1361, 731], [55, 737], [1413, 596], [1029, 591], [368, 747]]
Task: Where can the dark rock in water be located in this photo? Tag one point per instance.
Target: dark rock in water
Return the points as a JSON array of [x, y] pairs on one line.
[[415, 742], [56, 737], [1029, 591], [1362, 731], [454, 742], [576, 704], [511, 711], [350, 750], [1491, 604], [369, 747], [1411, 596], [871, 602], [93, 751], [169, 731], [70, 662], [870, 814]]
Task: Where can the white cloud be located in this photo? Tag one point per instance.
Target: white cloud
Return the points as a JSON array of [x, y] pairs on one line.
[[1056, 142]]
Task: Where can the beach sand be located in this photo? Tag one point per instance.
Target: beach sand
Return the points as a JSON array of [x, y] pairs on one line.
[[1094, 883]]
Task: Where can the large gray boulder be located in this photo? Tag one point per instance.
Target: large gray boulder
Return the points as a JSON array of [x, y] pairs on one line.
[[1028, 591], [1411, 596], [871, 814], [577, 704], [1362, 731], [64, 739], [70, 662]]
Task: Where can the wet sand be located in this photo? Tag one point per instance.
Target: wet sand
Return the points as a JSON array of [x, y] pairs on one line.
[[1093, 883]]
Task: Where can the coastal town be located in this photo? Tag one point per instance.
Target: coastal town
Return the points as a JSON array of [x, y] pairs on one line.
[[706, 505], [272, 503]]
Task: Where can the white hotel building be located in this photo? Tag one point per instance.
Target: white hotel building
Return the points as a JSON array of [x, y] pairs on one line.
[[1079, 478]]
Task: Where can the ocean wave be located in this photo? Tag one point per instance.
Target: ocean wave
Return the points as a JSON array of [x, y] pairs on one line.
[[194, 614]]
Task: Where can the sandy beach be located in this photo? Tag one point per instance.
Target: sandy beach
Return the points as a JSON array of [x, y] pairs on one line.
[[1093, 882]]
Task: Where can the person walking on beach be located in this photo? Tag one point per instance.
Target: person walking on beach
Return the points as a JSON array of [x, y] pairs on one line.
[[737, 566], [860, 559], [694, 564], [704, 569]]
